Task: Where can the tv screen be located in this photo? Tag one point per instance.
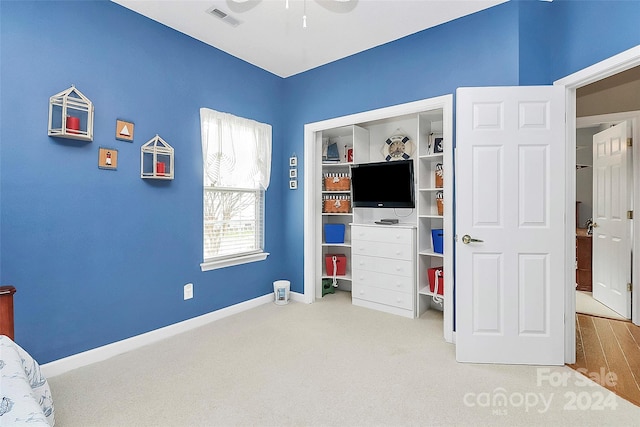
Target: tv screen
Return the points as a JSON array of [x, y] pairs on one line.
[[383, 185]]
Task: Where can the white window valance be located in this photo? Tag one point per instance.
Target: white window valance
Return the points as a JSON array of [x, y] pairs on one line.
[[236, 152]]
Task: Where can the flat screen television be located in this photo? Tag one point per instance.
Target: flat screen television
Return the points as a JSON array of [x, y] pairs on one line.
[[383, 185]]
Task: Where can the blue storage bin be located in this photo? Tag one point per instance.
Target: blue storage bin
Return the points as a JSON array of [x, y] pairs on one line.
[[334, 233], [438, 240]]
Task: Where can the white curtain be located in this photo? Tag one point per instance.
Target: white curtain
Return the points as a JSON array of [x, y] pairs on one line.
[[236, 152]]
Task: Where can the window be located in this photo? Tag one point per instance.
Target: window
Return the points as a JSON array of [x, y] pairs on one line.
[[236, 156]]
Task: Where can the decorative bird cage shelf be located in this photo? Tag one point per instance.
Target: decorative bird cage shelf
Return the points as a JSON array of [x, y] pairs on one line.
[[71, 115], [156, 159]]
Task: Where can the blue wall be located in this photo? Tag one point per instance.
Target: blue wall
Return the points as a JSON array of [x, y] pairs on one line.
[[516, 43], [477, 50], [99, 256], [536, 42], [587, 32]]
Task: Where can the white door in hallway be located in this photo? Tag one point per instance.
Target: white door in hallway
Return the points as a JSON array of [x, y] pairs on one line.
[[510, 227], [611, 260]]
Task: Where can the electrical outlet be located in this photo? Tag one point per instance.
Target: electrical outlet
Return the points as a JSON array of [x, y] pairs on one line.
[[188, 291]]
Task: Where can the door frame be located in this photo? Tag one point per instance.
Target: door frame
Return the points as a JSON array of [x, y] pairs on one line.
[[603, 69]]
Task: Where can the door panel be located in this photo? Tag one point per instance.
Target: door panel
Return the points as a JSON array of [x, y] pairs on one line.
[[488, 304], [510, 157], [487, 206], [533, 187], [533, 294]]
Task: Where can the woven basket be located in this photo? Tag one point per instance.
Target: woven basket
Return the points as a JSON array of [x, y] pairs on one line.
[[440, 206], [336, 206], [440, 203], [438, 175], [337, 183]]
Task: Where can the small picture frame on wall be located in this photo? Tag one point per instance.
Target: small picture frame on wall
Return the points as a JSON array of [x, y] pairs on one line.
[[293, 161], [293, 173], [293, 184], [107, 158], [124, 130]]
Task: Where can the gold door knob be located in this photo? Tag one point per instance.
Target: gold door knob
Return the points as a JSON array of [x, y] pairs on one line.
[[466, 239]]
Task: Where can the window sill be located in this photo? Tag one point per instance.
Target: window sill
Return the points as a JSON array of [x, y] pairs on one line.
[[229, 262]]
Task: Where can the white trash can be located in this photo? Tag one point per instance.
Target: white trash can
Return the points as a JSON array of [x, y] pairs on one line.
[[281, 290]]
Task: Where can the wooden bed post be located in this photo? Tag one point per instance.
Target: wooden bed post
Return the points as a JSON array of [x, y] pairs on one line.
[[6, 310]]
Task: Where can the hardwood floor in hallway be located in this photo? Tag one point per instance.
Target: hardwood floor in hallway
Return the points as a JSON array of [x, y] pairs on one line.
[[610, 346]]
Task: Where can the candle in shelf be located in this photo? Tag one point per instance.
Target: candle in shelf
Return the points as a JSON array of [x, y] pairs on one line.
[[73, 124]]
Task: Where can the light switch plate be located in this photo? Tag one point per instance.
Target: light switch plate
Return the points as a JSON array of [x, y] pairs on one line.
[[188, 291]]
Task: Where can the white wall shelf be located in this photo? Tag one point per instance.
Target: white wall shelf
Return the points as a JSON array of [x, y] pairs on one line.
[[156, 159], [71, 115]]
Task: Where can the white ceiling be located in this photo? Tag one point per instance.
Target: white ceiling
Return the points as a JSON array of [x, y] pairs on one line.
[[272, 37]]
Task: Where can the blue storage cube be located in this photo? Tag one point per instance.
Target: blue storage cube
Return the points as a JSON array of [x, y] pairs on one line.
[[334, 233], [438, 241]]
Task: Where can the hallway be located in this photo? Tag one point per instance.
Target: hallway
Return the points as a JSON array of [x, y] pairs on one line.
[[610, 346]]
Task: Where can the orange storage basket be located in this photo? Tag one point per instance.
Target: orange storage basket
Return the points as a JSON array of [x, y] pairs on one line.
[[336, 206], [438, 175], [337, 183], [440, 203]]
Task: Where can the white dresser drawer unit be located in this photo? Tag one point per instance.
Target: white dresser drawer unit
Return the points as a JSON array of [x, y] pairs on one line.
[[384, 281], [386, 250], [382, 233], [400, 267], [383, 268], [383, 296]]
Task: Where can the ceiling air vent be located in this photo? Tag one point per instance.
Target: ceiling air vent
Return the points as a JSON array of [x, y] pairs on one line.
[[223, 16]]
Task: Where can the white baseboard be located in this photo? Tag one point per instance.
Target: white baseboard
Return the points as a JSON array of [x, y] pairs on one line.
[[297, 297], [60, 366]]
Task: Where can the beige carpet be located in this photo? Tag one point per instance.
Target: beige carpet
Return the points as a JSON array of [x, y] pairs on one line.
[[324, 364], [586, 304]]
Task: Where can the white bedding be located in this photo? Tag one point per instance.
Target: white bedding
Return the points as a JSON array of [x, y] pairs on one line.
[[25, 396]]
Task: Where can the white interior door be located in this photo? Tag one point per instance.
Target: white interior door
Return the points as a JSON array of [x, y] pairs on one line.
[[510, 160], [611, 259]]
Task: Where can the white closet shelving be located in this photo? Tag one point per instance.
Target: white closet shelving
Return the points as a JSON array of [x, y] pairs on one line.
[[352, 142], [433, 160], [423, 123]]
